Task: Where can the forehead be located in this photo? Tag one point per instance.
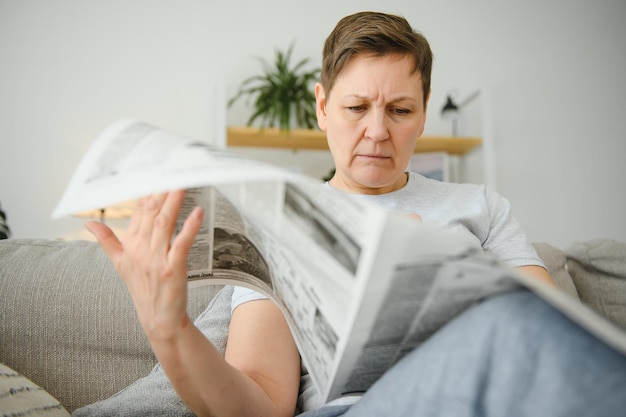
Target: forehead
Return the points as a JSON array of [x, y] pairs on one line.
[[391, 73]]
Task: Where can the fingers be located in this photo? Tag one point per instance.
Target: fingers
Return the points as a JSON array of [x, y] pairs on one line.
[[185, 238], [107, 240], [154, 220], [149, 235], [165, 220], [148, 212], [135, 220], [142, 221]]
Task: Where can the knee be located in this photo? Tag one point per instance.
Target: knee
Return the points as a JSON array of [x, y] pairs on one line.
[[521, 323], [518, 322], [519, 311]]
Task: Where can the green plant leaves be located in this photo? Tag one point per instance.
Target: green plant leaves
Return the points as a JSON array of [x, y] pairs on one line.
[[283, 96]]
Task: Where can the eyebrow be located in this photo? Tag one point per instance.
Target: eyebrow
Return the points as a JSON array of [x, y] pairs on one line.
[[395, 100]]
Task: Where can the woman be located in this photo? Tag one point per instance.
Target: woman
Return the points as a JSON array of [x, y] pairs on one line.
[[372, 102]]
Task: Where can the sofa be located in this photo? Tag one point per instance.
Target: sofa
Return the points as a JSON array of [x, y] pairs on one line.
[[69, 335]]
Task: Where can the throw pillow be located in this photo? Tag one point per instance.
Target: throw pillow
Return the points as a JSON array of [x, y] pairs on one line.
[[153, 395], [598, 268], [21, 397]]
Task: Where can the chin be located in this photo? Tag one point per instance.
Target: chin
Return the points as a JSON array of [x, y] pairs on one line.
[[376, 181], [378, 177]]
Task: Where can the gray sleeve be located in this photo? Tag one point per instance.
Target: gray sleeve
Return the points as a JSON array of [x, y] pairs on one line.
[[506, 238]]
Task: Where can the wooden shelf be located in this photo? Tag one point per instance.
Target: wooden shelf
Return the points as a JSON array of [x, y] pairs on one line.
[[316, 140]]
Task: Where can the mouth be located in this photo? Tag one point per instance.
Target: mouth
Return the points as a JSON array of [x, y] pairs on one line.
[[373, 156]]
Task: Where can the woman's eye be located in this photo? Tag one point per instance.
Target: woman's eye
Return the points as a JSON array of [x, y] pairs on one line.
[[398, 110]]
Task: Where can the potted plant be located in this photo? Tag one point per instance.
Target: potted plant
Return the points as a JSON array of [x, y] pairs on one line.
[[283, 95]]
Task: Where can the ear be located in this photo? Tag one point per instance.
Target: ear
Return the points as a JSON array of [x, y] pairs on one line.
[[421, 130], [320, 106]]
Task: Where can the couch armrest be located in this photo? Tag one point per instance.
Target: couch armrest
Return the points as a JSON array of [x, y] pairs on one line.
[[598, 268]]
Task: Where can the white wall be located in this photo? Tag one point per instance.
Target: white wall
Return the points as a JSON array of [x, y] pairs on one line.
[[69, 68]]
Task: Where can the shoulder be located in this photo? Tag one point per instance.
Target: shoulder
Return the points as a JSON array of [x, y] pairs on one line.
[[419, 182], [447, 193]]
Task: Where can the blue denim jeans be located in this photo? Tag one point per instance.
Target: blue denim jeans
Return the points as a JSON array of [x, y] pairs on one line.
[[512, 355]]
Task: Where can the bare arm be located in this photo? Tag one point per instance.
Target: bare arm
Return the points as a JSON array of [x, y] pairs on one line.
[[263, 374], [265, 352], [536, 272]]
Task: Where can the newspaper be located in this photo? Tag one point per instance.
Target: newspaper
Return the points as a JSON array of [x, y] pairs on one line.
[[360, 287]]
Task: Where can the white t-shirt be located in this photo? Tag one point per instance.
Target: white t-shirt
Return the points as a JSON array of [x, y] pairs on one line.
[[480, 213]]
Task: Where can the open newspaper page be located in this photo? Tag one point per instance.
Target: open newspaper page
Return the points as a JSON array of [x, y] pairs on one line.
[[306, 248], [131, 159], [421, 277], [265, 228], [432, 276], [360, 288]]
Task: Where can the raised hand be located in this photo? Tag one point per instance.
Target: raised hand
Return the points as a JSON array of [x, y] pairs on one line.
[[152, 264]]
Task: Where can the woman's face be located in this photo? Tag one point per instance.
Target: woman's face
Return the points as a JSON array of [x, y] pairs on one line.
[[372, 119]]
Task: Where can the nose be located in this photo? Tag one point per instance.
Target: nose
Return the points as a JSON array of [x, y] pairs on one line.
[[377, 129]]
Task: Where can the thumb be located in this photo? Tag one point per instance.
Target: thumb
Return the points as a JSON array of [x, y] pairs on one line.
[[106, 238]]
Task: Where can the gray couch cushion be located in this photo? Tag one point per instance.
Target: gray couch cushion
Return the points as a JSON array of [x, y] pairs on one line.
[[153, 395], [598, 268], [79, 338]]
